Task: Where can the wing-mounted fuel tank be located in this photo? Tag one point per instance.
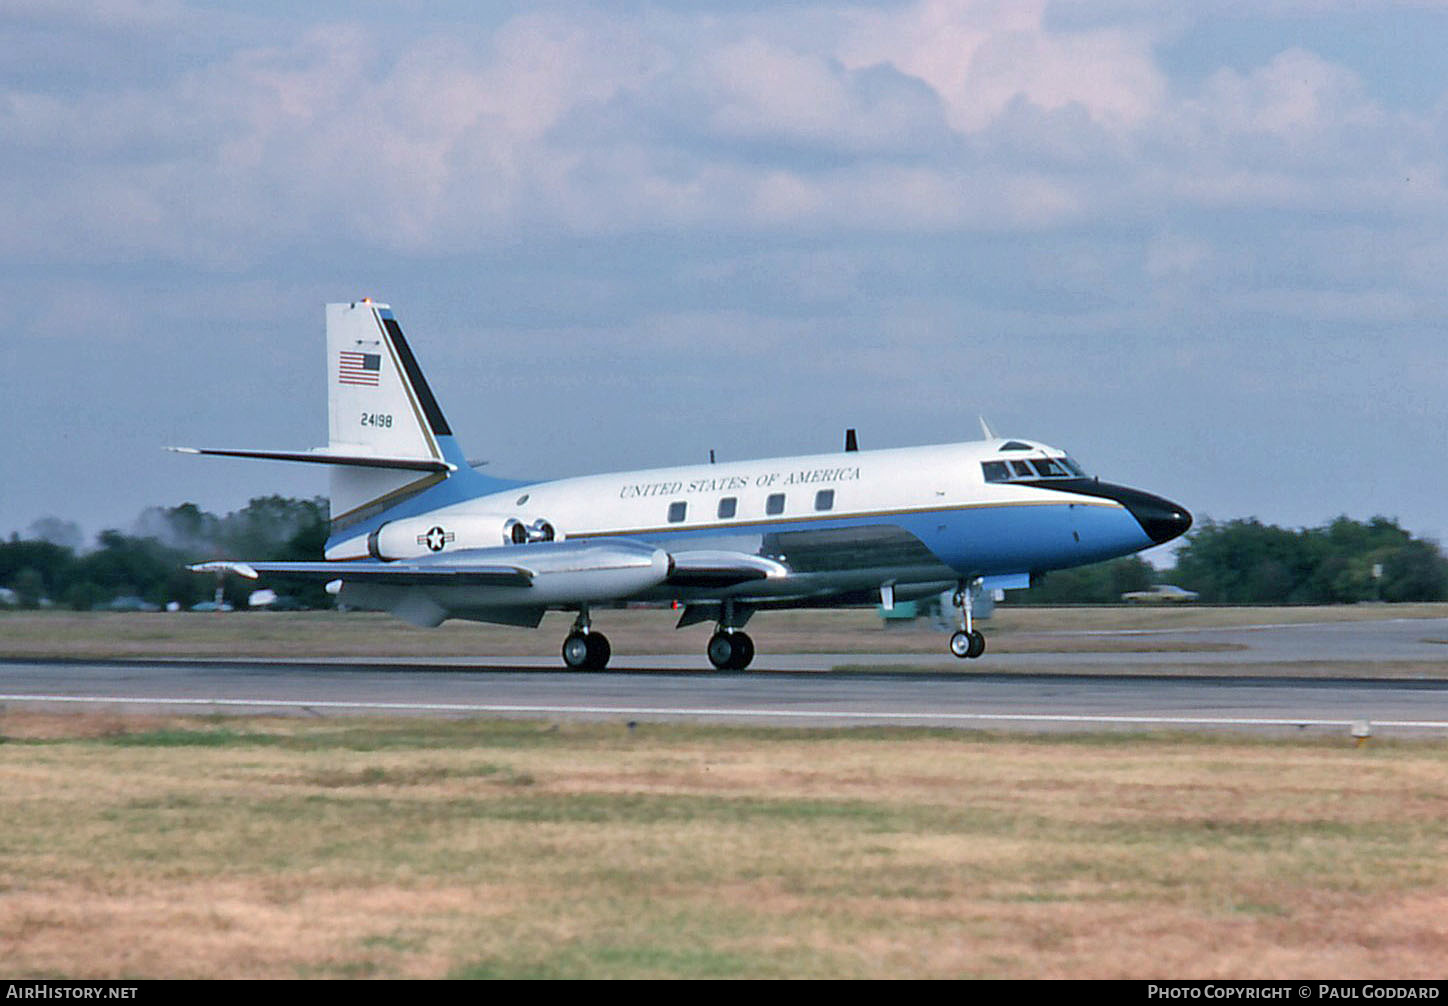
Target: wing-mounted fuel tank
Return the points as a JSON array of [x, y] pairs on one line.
[[414, 537]]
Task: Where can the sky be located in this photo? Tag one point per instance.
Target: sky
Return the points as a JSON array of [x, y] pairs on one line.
[[1200, 246]]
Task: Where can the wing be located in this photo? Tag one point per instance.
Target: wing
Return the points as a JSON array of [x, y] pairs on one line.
[[537, 575], [394, 573]]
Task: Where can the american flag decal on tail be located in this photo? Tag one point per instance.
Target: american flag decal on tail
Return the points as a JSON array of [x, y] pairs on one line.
[[359, 368]]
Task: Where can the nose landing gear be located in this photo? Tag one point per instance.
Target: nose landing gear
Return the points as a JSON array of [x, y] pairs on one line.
[[968, 643]]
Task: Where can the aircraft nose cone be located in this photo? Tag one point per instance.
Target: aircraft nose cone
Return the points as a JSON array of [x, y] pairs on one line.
[[1161, 519]]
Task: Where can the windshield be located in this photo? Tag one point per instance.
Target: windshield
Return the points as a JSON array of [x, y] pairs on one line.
[[1032, 469]]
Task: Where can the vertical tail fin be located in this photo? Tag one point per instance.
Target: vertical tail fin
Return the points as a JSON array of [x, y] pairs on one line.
[[388, 441], [379, 404]]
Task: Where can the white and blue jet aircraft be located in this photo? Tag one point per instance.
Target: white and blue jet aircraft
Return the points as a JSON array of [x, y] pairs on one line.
[[418, 532]]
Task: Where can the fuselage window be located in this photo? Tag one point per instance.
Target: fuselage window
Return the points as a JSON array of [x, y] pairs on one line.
[[1015, 445], [775, 504], [1022, 469], [728, 506], [995, 471], [825, 499], [677, 511]]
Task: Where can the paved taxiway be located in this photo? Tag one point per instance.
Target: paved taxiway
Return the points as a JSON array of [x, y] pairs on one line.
[[1262, 685]]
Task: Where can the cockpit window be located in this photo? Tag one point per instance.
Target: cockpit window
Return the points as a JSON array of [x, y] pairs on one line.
[[995, 471], [1015, 445], [1031, 469]]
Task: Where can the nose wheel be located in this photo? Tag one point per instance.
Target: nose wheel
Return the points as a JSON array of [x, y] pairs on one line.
[[730, 651], [968, 643]]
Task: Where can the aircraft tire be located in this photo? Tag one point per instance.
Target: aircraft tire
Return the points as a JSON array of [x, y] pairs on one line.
[[730, 651], [720, 650], [575, 651], [598, 651], [743, 652], [586, 651], [961, 644], [977, 644]]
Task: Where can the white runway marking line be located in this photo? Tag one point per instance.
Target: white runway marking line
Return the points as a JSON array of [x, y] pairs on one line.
[[1225, 628], [450, 707]]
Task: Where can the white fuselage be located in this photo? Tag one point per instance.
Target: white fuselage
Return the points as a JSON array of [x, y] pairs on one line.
[[919, 515]]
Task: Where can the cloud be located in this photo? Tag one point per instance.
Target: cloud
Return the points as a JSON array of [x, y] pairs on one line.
[[931, 117], [981, 56]]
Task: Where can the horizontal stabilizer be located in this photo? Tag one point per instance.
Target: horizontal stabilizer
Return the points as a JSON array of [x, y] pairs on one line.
[[394, 573], [327, 457]]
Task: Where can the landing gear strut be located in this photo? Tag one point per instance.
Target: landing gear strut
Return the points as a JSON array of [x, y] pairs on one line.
[[584, 649], [968, 643]]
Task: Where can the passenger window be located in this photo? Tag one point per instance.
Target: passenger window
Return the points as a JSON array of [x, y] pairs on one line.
[[825, 499], [728, 506], [775, 504], [995, 471], [677, 511], [1022, 470]]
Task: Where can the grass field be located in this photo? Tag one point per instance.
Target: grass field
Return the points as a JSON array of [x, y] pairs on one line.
[[361, 634], [287, 848]]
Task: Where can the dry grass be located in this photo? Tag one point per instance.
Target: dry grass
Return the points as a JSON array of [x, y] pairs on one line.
[[57, 634], [282, 848]]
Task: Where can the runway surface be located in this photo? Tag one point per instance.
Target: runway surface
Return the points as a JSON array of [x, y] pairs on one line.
[[1263, 686]]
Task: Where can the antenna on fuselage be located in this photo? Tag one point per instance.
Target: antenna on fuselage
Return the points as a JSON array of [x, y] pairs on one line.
[[985, 429], [711, 455], [851, 444]]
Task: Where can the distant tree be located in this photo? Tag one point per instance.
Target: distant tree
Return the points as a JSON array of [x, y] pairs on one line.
[[65, 533], [124, 565], [47, 568], [1099, 583], [151, 563], [1247, 562], [186, 527], [29, 586], [1415, 572]]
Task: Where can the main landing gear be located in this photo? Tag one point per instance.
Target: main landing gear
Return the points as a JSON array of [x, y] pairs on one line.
[[584, 649], [730, 649], [968, 643]]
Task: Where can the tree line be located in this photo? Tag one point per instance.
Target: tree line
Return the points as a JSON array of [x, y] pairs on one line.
[[1236, 562], [1247, 562], [149, 563]]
